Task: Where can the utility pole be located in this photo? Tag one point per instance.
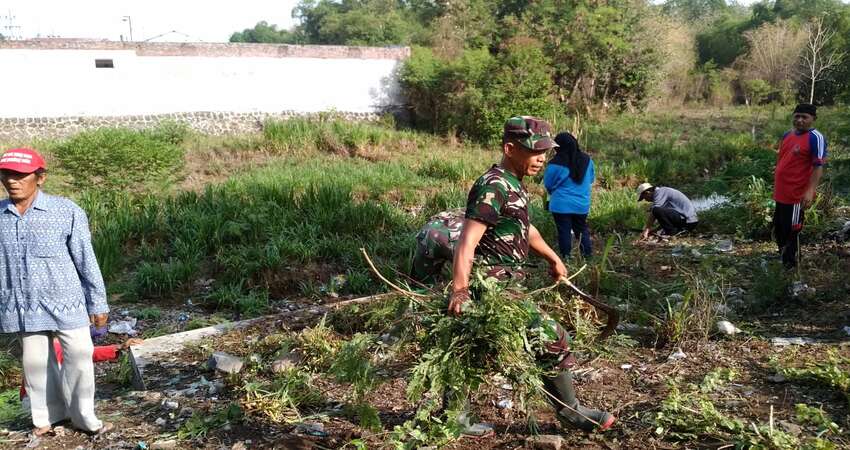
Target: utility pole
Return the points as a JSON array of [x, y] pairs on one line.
[[129, 21]]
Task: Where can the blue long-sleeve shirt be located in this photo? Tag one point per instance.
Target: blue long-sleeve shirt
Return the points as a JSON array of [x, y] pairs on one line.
[[565, 196], [49, 277]]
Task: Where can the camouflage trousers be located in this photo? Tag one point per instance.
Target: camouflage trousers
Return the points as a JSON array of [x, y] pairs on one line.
[[435, 244], [549, 341]]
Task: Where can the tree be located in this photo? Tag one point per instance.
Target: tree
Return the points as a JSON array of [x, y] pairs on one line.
[[774, 56], [266, 34], [818, 59], [358, 22], [695, 10]]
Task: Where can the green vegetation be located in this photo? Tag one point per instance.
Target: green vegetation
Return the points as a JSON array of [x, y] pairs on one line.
[[618, 54], [114, 159], [690, 413], [832, 371], [202, 423]]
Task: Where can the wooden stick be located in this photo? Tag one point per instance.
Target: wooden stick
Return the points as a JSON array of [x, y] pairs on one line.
[[388, 282]]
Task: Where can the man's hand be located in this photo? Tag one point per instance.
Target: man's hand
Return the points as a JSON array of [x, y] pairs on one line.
[[132, 342], [643, 236], [456, 301], [99, 320], [557, 270], [808, 198]]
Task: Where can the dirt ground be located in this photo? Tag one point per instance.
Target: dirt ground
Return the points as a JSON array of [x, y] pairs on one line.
[[631, 383]]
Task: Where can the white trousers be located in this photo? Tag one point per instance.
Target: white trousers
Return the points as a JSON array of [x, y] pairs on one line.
[[58, 392]]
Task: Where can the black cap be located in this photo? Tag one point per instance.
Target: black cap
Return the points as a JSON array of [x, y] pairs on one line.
[[806, 108]]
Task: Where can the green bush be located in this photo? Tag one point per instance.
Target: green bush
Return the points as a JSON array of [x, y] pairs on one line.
[[474, 94], [119, 159]]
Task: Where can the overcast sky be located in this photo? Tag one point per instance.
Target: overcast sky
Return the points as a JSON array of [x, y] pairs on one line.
[[201, 20]]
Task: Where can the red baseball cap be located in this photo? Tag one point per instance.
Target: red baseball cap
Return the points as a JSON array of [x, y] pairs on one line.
[[23, 160]]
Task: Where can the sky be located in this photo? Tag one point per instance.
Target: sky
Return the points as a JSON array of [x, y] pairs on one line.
[[201, 20]]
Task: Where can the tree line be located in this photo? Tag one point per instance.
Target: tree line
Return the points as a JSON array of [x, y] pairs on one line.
[[477, 61]]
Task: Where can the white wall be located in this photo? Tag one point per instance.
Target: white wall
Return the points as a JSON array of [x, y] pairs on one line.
[[60, 83]]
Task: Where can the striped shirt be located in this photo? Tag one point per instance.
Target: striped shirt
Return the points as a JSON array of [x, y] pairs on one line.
[[49, 277]]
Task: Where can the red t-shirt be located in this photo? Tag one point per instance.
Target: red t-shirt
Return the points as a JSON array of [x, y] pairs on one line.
[[799, 154]]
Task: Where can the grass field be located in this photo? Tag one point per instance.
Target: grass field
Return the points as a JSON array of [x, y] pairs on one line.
[[246, 225]]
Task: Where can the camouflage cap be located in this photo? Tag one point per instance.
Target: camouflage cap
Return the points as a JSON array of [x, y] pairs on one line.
[[532, 133]]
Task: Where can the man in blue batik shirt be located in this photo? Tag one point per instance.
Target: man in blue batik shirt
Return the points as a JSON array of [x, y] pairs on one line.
[[50, 287]]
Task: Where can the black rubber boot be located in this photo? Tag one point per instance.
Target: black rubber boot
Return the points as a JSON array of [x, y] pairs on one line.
[[568, 408]]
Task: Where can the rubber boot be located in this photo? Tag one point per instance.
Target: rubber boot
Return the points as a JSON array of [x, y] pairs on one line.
[[569, 411]]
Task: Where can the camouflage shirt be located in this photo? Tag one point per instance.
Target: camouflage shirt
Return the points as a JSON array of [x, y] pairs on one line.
[[499, 200]]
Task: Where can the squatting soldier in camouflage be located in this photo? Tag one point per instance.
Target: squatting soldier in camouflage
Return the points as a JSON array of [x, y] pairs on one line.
[[435, 244], [496, 232]]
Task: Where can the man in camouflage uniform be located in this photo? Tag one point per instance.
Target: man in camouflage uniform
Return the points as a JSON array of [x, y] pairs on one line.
[[496, 233]]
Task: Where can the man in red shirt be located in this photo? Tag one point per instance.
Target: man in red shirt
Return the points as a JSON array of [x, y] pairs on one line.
[[799, 166]]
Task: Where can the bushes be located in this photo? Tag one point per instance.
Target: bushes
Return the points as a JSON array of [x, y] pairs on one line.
[[118, 159], [474, 94]]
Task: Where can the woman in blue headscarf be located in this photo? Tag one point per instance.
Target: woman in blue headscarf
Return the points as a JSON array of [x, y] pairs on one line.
[[568, 178]]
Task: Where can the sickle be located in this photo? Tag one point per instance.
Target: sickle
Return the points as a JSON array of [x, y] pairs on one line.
[[610, 312]]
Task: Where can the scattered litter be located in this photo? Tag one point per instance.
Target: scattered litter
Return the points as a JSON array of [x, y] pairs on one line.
[[505, 404], [665, 268], [726, 327], [735, 292], [847, 330], [225, 363], [507, 387], [776, 378], [183, 317], [722, 309], [312, 429], [479, 429], [800, 289], [160, 421], [170, 404], [696, 253], [141, 445], [783, 341], [678, 251], [678, 354], [626, 366], [675, 297], [724, 246], [844, 233], [124, 327]]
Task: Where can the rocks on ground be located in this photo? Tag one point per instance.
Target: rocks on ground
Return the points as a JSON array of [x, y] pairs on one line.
[[224, 362], [545, 442]]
